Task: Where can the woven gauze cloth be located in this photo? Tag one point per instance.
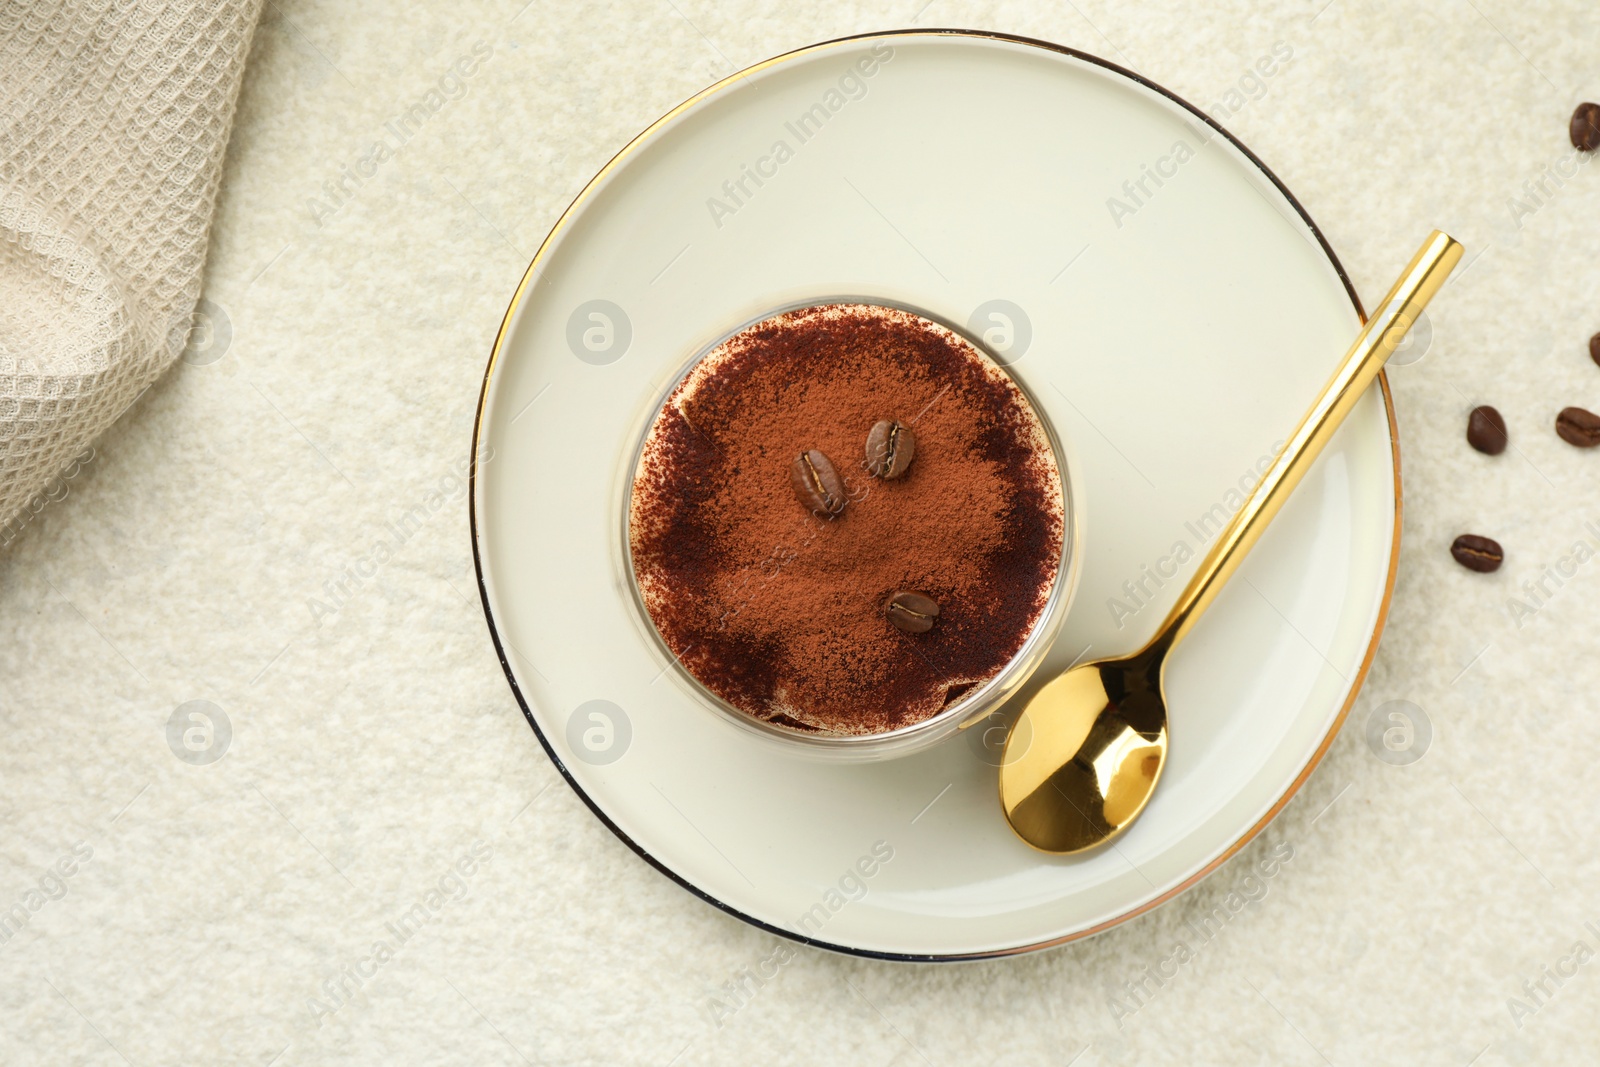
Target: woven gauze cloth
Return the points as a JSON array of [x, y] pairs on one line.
[[113, 120]]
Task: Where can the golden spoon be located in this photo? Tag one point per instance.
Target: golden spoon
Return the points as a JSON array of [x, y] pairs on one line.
[[1090, 745]]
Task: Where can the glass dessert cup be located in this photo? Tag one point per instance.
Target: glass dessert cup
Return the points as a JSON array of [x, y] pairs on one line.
[[971, 705]]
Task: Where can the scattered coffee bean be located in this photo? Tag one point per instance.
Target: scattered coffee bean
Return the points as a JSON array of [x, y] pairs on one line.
[[890, 448], [817, 484], [1578, 427], [1486, 430], [911, 612], [1476, 553], [1594, 348], [1585, 127]]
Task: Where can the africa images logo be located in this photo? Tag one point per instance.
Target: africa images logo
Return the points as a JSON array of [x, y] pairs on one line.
[[852, 85]]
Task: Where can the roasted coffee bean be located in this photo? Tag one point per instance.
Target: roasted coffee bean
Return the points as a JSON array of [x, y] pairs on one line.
[[1594, 348], [890, 448], [817, 484], [1585, 127], [911, 612], [1578, 427], [1477, 553], [1486, 430]]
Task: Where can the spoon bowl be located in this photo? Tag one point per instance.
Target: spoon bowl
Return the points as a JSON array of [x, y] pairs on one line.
[[1096, 766]]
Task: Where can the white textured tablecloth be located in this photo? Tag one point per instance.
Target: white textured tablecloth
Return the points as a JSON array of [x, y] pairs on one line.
[[177, 912]]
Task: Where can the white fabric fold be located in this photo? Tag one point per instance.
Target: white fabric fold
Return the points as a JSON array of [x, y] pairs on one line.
[[114, 116]]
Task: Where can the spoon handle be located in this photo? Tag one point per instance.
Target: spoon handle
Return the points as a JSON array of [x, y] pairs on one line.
[[1382, 334]]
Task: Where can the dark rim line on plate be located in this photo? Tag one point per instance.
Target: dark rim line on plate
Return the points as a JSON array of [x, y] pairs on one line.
[[500, 651]]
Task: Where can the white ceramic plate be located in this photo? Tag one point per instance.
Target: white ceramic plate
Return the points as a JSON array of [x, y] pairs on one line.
[[1174, 329]]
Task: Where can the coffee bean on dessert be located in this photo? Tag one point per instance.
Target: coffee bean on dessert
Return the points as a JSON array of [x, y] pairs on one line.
[[1594, 348], [1475, 553], [911, 612], [1578, 427], [816, 483], [1486, 430], [1585, 127], [890, 448]]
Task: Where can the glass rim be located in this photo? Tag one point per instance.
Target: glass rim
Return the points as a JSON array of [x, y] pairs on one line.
[[973, 705]]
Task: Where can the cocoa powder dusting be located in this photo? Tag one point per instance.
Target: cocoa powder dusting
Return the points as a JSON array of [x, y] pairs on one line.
[[779, 611]]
